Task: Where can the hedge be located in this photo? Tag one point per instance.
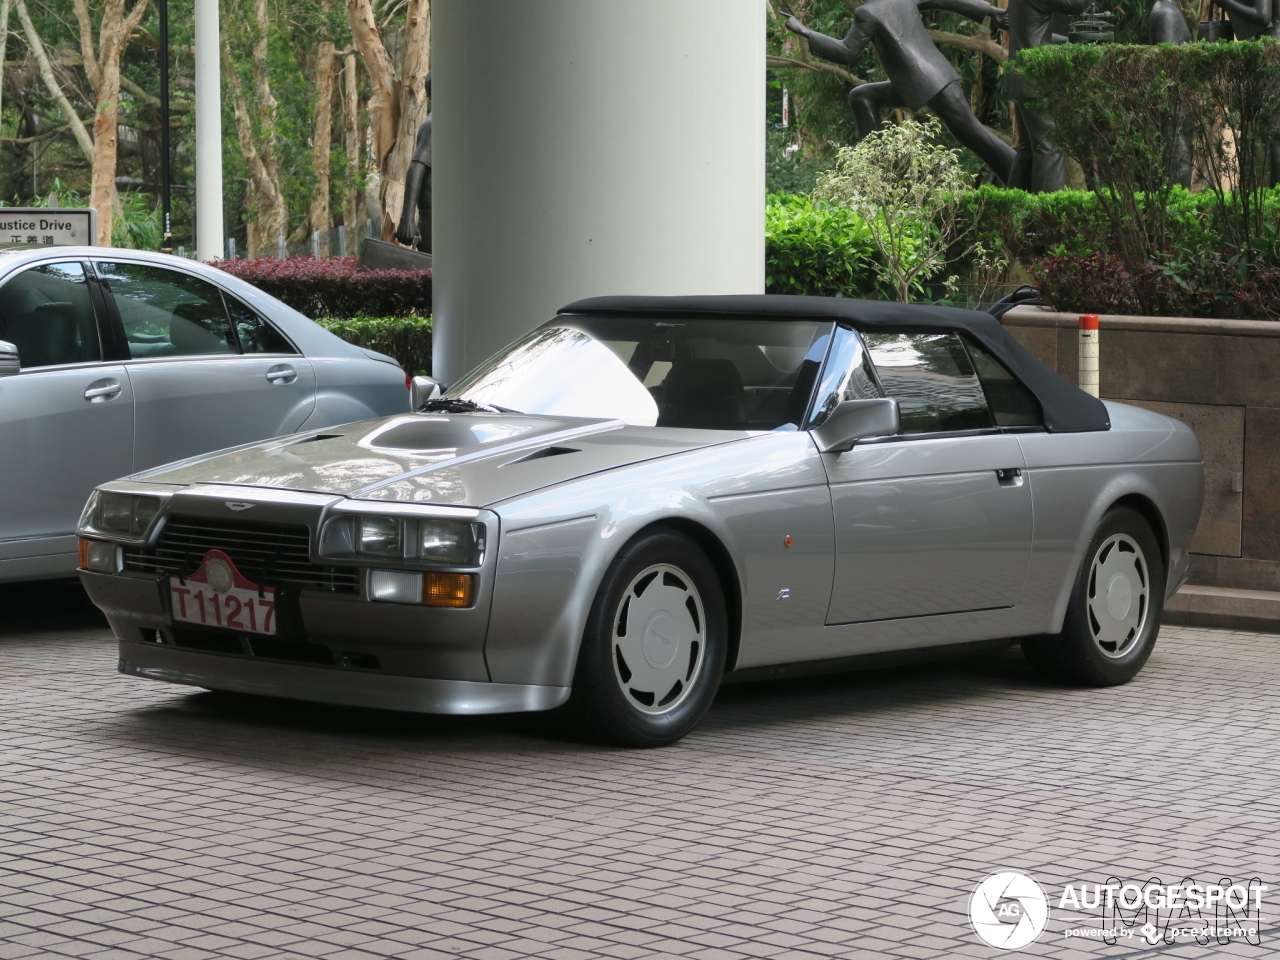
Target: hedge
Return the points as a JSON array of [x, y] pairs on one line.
[[333, 287], [408, 339], [817, 249]]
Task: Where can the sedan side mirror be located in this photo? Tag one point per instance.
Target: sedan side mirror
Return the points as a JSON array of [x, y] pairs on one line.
[[9, 362], [422, 389], [855, 420]]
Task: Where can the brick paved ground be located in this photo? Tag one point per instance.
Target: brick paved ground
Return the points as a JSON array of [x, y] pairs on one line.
[[848, 816]]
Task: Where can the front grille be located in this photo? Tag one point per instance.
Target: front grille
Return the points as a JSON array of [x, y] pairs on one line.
[[273, 554]]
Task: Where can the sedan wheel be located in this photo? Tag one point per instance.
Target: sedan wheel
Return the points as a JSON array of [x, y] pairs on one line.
[[1113, 617], [654, 648]]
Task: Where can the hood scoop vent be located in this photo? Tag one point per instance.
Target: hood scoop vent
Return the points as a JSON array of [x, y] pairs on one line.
[[543, 454]]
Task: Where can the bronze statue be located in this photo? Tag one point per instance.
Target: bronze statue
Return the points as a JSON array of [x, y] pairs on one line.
[[919, 75], [1040, 166], [417, 191], [1255, 19], [1166, 24]]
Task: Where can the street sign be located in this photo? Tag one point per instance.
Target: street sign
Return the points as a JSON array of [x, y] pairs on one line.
[[48, 226]]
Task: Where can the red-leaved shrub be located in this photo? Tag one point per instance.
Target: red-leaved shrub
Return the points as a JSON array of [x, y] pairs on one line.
[[1210, 285], [333, 287]]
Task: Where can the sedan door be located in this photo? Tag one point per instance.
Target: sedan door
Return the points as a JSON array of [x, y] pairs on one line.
[[207, 371], [66, 419], [937, 519]]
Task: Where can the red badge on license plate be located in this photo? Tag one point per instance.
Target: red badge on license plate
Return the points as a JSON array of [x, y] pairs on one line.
[[218, 595]]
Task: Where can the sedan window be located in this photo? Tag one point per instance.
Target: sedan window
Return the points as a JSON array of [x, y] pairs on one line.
[[254, 333], [708, 374], [47, 314], [933, 380], [166, 313]]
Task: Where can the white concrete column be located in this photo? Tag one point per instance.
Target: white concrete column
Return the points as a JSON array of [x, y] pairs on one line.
[[590, 147], [209, 226]]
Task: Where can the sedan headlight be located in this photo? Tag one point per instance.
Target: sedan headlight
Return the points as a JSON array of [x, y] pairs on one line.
[[428, 540], [123, 515]]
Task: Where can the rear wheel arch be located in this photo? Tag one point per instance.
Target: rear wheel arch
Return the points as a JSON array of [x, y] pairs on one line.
[[1147, 509]]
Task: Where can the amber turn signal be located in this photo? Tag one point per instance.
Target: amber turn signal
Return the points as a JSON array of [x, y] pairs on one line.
[[448, 589], [84, 553]]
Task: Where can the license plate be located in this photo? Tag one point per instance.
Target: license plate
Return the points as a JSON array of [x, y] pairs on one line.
[[218, 595]]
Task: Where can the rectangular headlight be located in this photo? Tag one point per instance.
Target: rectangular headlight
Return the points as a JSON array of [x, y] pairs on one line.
[[380, 537], [122, 514], [450, 541]]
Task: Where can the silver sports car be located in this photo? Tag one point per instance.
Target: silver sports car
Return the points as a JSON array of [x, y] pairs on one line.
[[112, 361], [645, 494]]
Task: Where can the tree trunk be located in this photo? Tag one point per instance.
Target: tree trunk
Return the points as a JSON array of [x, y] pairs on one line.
[[273, 214], [321, 137], [413, 110], [384, 85], [353, 214], [51, 81], [270, 219], [397, 103]]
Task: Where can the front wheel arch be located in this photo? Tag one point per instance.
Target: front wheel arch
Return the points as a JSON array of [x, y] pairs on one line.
[[722, 561]]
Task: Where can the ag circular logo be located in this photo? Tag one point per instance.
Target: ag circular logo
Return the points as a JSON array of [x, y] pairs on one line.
[[1008, 910]]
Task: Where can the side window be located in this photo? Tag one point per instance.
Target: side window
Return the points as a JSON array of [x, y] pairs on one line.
[[1012, 404], [47, 314], [166, 313], [933, 380], [256, 335], [848, 376]]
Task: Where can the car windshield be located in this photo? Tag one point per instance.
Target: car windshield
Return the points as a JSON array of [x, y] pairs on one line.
[[708, 374]]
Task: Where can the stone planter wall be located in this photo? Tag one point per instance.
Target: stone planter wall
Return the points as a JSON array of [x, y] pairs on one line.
[[1220, 377]]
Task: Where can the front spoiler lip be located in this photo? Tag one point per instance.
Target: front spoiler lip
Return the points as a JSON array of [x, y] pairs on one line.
[[342, 687]]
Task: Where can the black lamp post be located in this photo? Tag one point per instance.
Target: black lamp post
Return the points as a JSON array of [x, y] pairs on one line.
[[166, 242]]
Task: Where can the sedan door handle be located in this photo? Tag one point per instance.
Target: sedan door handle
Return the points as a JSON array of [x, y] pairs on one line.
[[100, 391], [1010, 476], [282, 373]]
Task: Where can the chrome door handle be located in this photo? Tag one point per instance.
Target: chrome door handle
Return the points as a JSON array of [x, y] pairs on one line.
[[100, 391], [282, 373]]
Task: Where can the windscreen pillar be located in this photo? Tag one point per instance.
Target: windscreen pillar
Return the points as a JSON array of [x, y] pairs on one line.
[[590, 147]]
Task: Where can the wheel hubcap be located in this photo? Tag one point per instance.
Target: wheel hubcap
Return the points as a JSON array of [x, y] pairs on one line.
[[1118, 595], [659, 639]]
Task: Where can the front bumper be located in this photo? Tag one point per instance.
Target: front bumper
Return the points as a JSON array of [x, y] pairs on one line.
[[324, 685]]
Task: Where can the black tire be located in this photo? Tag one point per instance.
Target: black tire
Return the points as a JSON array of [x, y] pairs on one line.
[[1097, 646], [626, 689]]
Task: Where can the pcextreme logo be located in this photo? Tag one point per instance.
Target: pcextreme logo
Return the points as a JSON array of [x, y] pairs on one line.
[[1009, 910]]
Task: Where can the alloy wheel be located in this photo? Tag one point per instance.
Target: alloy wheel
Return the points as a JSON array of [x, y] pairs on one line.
[[659, 639], [1118, 599]]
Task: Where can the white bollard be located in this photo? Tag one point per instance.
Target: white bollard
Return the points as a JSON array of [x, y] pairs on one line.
[[1089, 353]]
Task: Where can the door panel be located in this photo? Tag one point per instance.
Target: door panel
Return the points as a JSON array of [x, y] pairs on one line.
[[926, 526], [192, 406], [63, 431], [195, 391]]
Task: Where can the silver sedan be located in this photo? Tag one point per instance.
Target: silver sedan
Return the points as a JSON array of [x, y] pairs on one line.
[[644, 495], [113, 361]]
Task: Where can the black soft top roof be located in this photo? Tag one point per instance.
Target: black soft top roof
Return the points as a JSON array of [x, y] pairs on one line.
[[1067, 409]]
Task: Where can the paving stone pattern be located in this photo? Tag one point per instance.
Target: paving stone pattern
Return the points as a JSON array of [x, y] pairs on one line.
[[846, 816]]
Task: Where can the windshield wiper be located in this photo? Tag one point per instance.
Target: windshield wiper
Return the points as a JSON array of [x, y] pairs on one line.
[[457, 405]]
